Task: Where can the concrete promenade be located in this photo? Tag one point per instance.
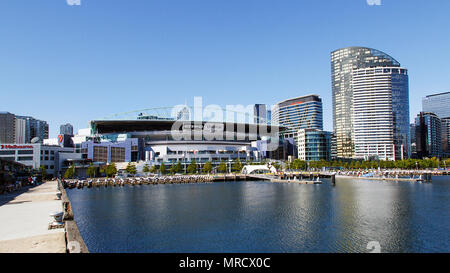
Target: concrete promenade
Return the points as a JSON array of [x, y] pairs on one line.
[[24, 219]]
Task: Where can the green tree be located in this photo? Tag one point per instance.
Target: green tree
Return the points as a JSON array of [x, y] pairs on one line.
[[178, 167], [192, 168], [276, 165], [43, 171], [222, 167], [70, 172], [207, 168], [298, 164], [131, 168], [153, 169], [146, 168], [91, 170], [162, 168], [111, 170], [237, 165]]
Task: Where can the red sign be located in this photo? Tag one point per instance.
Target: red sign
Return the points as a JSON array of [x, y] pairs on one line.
[[16, 146], [60, 139]]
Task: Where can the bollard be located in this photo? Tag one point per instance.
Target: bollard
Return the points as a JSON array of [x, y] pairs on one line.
[[333, 179]]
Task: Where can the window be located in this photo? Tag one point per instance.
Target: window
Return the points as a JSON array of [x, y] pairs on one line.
[[117, 154], [25, 152], [7, 152], [100, 154], [25, 158]]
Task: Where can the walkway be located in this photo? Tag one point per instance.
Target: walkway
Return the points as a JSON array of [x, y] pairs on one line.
[[24, 219]]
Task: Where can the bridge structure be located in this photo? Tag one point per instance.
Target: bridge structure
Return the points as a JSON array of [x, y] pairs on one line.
[[249, 169]]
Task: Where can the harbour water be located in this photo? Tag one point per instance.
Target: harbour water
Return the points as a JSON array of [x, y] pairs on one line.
[[266, 217]]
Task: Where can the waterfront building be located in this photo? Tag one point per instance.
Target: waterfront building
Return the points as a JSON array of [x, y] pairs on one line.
[[445, 126], [127, 150], [66, 129], [381, 113], [298, 113], [438, 104], [343, 63], [157, 142], [314, 145], [35, 155], [260, 114], [428, 135], [7, 127]]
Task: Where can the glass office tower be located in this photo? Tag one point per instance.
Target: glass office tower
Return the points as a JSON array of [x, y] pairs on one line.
[[438, 104], [428, 135], [343, 62], [298, 113]]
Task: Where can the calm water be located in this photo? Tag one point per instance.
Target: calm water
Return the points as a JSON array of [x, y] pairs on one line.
[[266, 217]]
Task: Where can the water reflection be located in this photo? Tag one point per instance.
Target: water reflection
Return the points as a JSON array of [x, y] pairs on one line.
[[266, 217]]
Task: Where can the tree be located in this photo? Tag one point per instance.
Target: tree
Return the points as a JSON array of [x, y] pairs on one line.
[[153, 169], [298, 164], [237, 165], [192, 168], [70, 172], [162, 168], [111, 170], [222, 167], [207, 168], [276, 165], [91, 170], [146, 168], [131, 168], [43, 171], [178, 167]]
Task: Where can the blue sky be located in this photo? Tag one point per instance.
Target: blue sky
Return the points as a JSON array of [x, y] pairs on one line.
[[64, 63]]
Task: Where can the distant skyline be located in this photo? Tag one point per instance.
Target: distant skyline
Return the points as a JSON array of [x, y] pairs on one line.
[[71, 64]]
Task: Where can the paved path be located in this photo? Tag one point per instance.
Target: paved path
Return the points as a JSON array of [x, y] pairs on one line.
[[24, 221]]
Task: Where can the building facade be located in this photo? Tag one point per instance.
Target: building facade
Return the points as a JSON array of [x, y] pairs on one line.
[[381, 113], [445, 127], [428, 135], [128, 150], [260, 114], [343, 62], [314, 145], [66, 129], [35, 155], [298, 113], [34, 128], [157, 141], [7, 127], [438, 104]]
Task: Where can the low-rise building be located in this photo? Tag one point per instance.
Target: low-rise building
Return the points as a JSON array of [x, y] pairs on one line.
[[35, 155], [314, 145]]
